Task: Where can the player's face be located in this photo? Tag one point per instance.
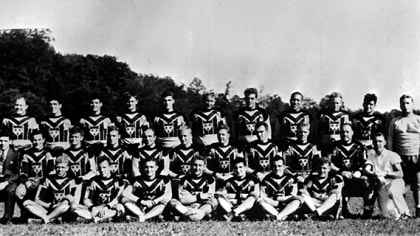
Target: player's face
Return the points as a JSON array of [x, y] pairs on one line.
[[296, 102], [251, 100], [278, 168], [197, 168], [185, 137], [302, 134], [4, 142], [150, 169], [239, 170], [76, 139], [149, 138], [223, 136], [132, 104], [113, 138], [38, 141], [20, 106], [262, 134], [104, 169], [168, 103], [209, 102], [379, 143], [346, 133], [61, 169], [55, 107], [369, 107], [336, 104], [96, 105], [324, 170], [406, 105]]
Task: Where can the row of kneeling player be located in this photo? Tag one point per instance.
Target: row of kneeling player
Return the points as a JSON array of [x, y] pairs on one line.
[[151, 195]]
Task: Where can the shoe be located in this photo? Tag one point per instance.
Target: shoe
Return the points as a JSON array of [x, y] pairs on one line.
[[417, 212], [367, 214], [5, 221], [35, 221]]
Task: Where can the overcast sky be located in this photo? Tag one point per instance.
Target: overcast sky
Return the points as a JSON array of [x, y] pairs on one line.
[[316, 47]]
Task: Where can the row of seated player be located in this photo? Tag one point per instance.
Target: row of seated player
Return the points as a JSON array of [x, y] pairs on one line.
[[197, 197], [204, 122]]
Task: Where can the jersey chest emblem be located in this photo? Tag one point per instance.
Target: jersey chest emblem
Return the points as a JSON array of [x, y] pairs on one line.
[[104, 197], [130, 130], [94, 131], [207, 126], [264, 163], [59, 195], [114, 168], [17, 130], [303, 162], [75, 168], [347, 163], [250, 127], [37, 168], [54, 133], [334, 126], [168, 128], [185, 168], [224, 164]]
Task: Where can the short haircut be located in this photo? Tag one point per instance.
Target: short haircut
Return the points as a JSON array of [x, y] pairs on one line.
[[168, 93], [76, 130], [250, 91], [303, 126], [185, 128], [278, 158], [148, 159], [223, 126], [55, 98], [103, 159], [347, 124], [259, 124], [21, 97], [239, 160], [36, 132], [199, 158], [95, 96], [323, 161], [370, 97], [149, 128], [62, 160], [209, 94], [113, 128], [335, 95], [404, 96], [128, 95], [296, 93], [378, 134]]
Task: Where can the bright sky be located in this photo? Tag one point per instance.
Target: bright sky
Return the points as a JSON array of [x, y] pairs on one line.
[[316, 47]]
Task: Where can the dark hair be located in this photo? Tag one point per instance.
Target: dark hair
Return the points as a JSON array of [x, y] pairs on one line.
[[278, 158], [103, 159], [168, 93], [128, 95], [76, 130], [239, 160], [296, 93], [323, 161], [378, 134], [370, 97], [346, 124], [223, 126], [404, 96], [36, 132], [148, 159], [4, 133], [199, 158], [250, 91]]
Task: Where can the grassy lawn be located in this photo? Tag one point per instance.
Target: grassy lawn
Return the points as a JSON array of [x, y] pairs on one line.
[[307, 227]]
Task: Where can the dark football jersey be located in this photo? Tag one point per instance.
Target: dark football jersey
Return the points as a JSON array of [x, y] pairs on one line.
[[57, 131], [260, 156], [246, 120], [80, 162], [288, 123], [95, 128], [103, 191], [181, 159], [20, 128], [196, 185], [301, 158], [321, 189], [53, 189], [132, 126], [348, 157], [37, 164], [167, 128], [277, 186], [204, 126], [150, 189], [367, 125], [221, 158], [120, 161], [240, 188]]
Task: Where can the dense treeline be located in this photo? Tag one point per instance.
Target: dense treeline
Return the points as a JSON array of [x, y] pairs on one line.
[[30, 66]]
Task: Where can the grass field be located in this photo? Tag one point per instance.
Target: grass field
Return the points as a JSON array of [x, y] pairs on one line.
[[307, 227]]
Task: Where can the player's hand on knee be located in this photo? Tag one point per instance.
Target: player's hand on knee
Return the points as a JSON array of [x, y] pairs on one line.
[[20, 191]]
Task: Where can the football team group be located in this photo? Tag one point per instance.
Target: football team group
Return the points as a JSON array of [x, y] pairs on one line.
[[172, 168]]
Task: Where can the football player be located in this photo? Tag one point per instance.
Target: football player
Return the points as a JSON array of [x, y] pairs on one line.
[[20, 125], [150, 151], [55, 194], [261, 152], [132, 124], [206, 121], [221, 156], [329, 122], [279, 192], [368, 122], [102, 198], [301, 156], [196, 193], [56, 126], [167, 123], [288, 121], [95, 125], [149, 194], [239, 193], [247, 117], [322, 191], [120, 160], [348, 160]]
